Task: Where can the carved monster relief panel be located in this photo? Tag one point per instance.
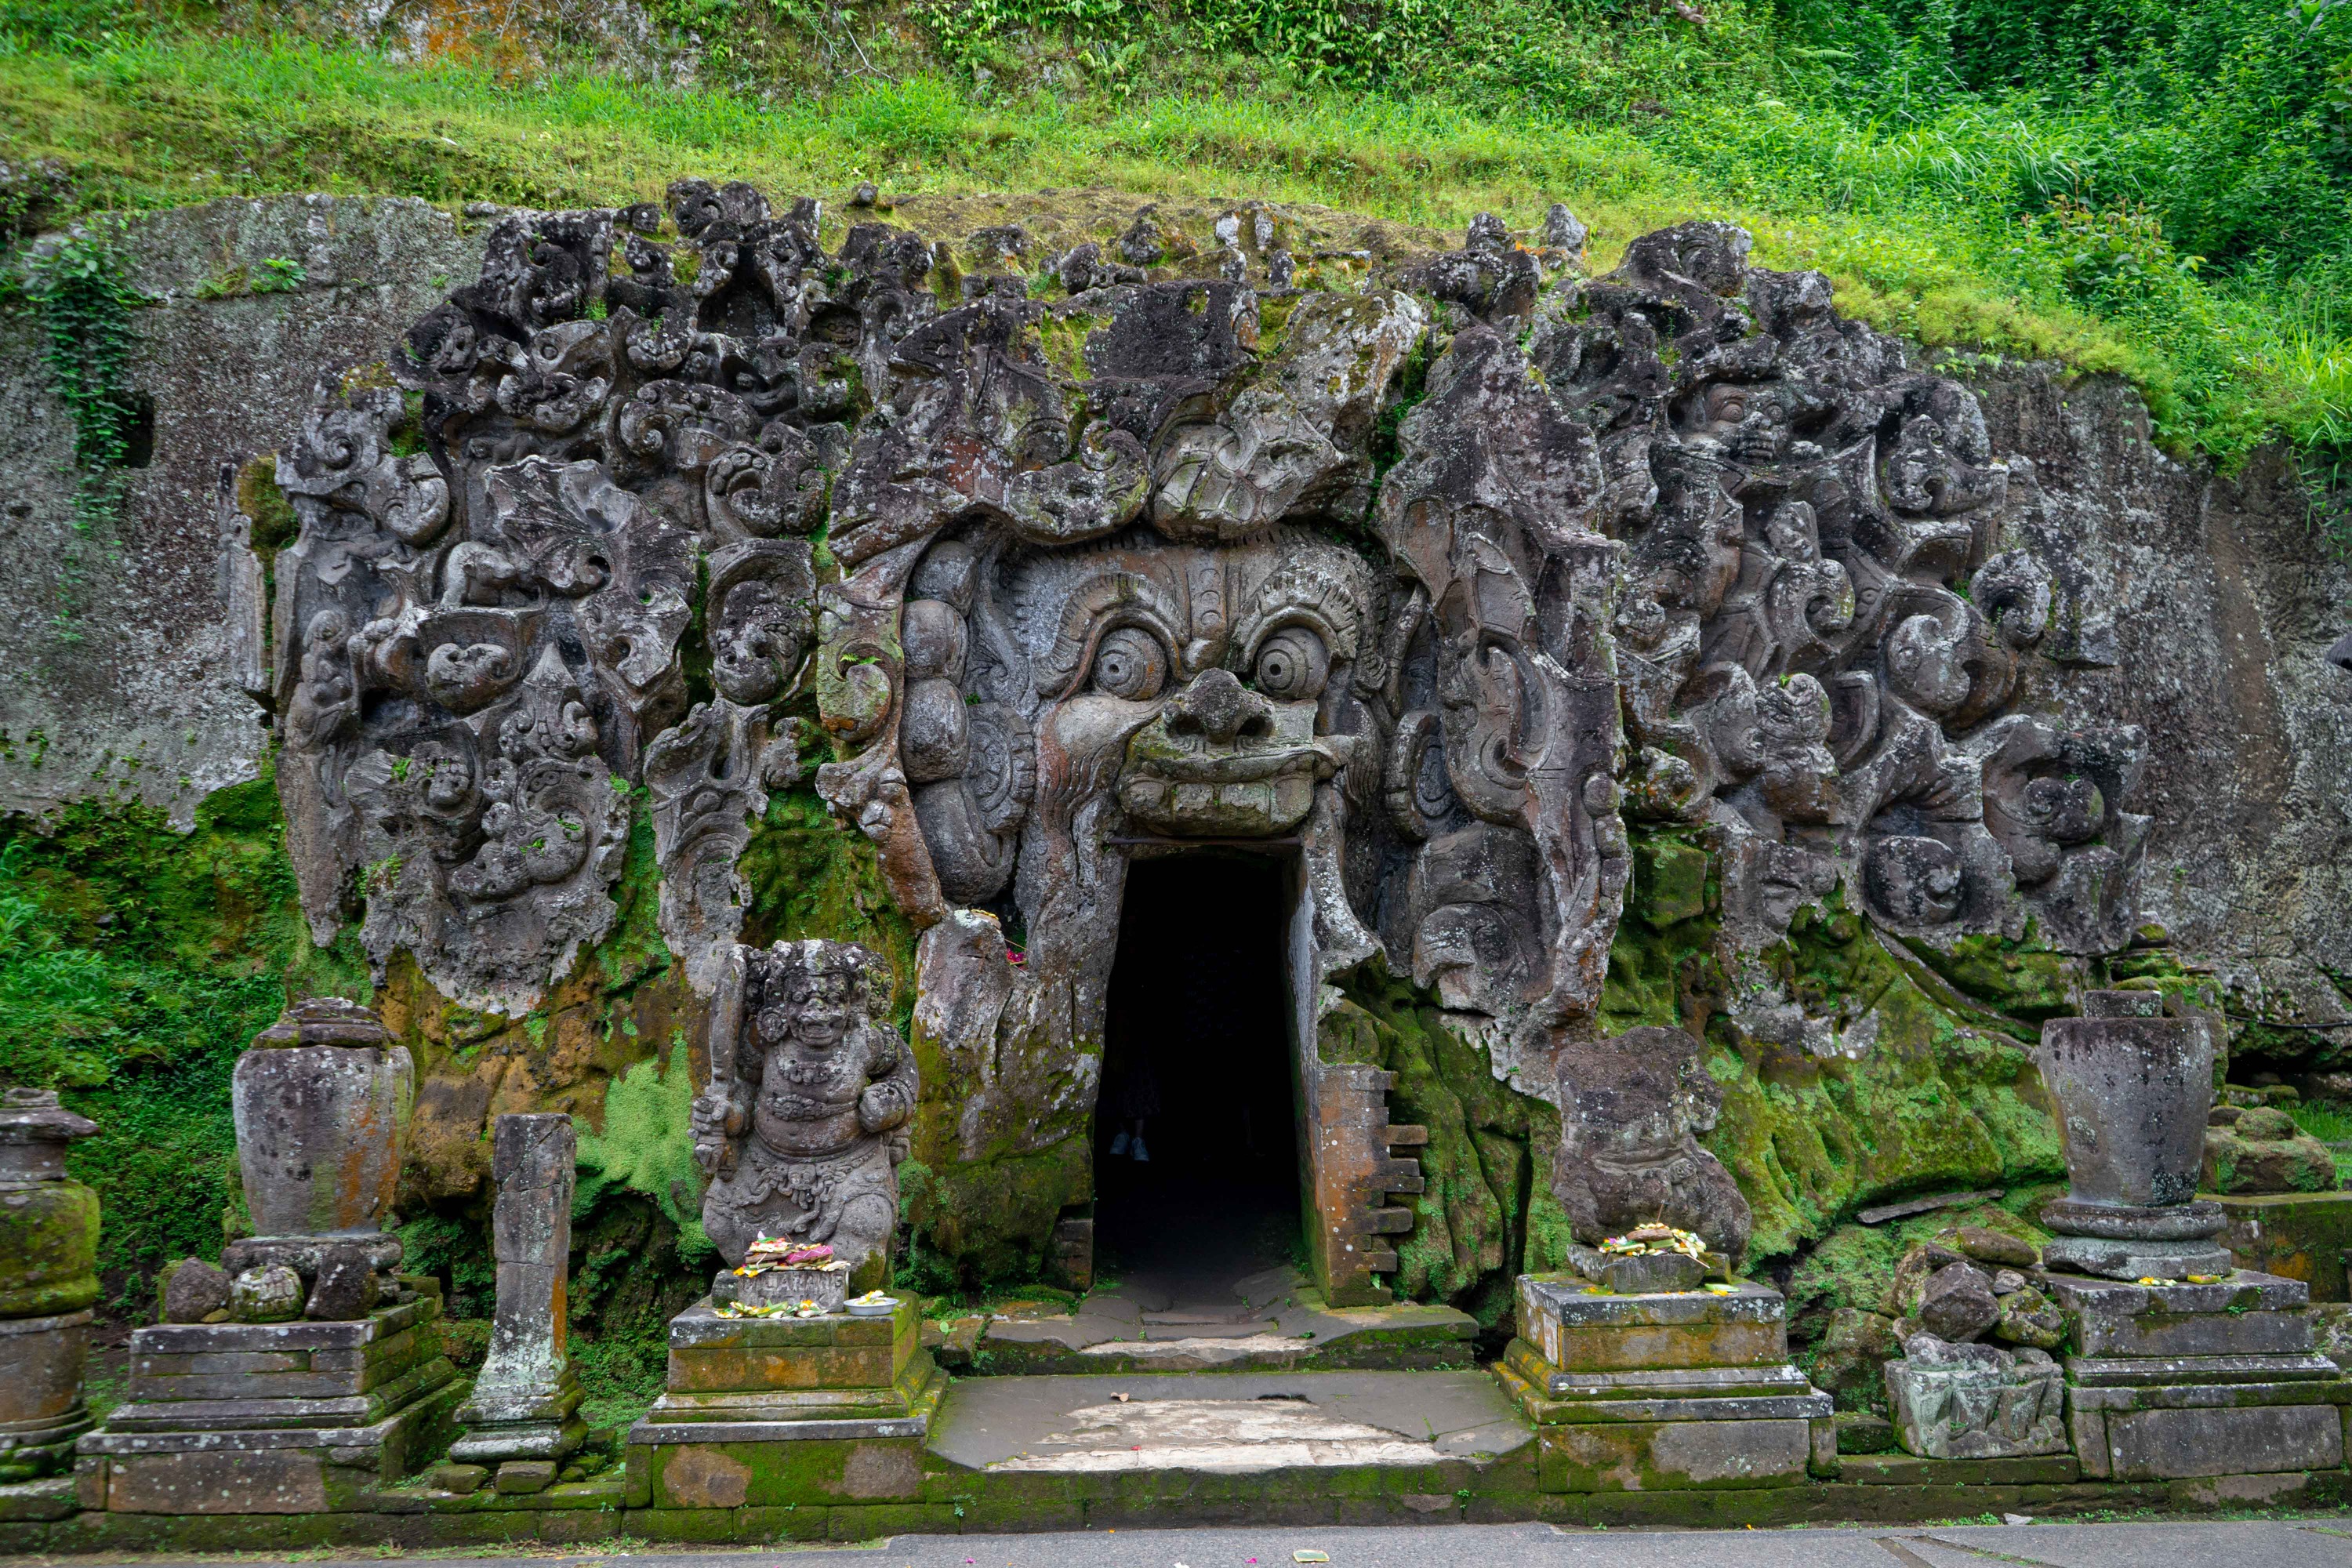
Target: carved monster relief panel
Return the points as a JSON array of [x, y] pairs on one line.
[[1431, 580]]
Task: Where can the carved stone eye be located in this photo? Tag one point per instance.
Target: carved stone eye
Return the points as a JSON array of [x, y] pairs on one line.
[[1292, 665], [1131, 664]]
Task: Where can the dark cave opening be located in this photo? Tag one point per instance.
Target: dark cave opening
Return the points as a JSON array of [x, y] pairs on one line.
[[1197, 1057]]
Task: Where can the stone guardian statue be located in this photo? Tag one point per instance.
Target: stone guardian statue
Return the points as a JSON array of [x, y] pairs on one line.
[[803, 1124]]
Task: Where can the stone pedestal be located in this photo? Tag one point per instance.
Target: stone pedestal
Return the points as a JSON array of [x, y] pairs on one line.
[[294, 1417], [1664, 1391], [2173, 1381], [526, 1400], [2132, 1088], [49, 1252], [764, 1411]]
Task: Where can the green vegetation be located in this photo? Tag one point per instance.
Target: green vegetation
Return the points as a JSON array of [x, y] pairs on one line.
[[2154, 190], [134, 965]]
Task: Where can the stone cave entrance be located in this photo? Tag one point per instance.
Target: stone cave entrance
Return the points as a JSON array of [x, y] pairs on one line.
[[1197, 1058]]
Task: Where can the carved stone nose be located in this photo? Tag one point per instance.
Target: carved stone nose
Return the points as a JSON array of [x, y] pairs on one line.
[[1216, 705]]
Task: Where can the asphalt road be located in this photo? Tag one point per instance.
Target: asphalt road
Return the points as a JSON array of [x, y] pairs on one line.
[[2319, 1542]]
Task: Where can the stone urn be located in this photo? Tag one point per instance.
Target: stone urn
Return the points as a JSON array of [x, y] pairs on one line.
[[322, 1101], [48, 1258], [2131, 1088]]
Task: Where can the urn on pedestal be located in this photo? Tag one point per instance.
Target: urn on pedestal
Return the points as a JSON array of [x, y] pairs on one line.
[[322, 1102], [2132, 1088]]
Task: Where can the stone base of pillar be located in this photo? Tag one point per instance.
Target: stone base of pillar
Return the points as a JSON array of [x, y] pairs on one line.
[[41, 1408], [2177, 1382], [1664, 1391], [848, 1395], [293, 1417], [504, 1424]]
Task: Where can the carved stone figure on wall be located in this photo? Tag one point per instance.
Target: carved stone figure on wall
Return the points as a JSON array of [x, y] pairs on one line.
[[803, 1124]]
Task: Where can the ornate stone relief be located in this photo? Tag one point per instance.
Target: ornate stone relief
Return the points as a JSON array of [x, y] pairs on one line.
[[1432, 579], [802, 1128]]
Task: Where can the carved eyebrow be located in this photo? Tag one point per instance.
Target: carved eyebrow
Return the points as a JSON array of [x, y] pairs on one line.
[[1327, 600], [1111, 599]]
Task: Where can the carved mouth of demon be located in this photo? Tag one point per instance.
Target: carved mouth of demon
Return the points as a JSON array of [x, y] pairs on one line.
[[1223, 760]]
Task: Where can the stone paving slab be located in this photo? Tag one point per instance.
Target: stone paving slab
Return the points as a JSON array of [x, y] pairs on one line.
[[2251, 1544], [1226, 1422]]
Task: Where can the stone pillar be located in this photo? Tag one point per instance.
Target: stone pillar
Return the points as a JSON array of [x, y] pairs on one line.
[[2132, 1088], [49, 1256], [524, 1409]]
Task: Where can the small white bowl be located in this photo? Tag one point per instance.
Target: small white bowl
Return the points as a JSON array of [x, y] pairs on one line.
[[882, 1309]]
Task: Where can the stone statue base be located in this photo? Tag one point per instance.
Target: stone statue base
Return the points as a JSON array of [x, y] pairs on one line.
[[843, 1390], [41, 1409], [2169, 1382], [1666, 1389], [326, 1414]]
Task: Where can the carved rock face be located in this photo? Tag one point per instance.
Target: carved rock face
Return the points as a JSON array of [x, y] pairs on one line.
[[1444, 575]]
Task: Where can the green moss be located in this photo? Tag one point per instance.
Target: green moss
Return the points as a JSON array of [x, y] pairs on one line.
[[1486, 1212], [810, 876], [646, 1146], [135, 962], [1894, 1093], [1665, 944]]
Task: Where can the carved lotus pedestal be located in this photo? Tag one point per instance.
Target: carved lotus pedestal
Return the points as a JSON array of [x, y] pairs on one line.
[[1664, 1391], [262, 1414], [764, 1412], [2132, 1089]]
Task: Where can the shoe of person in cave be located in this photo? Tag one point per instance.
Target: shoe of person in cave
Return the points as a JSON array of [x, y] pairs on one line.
[[1143, 1155], [1118, 1146]]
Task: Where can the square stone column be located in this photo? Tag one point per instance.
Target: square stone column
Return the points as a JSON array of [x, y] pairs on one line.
[[526, 1400]]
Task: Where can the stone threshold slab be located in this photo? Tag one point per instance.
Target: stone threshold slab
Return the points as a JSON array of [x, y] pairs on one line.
[[1227, 1423], [2130, 1372]]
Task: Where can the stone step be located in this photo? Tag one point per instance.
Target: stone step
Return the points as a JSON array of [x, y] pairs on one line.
[[1225, 1422], [1106, 1334]]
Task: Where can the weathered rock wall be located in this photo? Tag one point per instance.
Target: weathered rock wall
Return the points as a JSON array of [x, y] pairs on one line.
[[128, 641], [2227, 598]]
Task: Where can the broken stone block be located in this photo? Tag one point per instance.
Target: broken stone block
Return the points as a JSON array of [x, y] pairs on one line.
[[269, 1294], [2260, 1150], [1996, 1246], [346, 1289], [2028, 1317], [462, 1479], [1911, 1275], [1957, 1303], [194, 1291], [523, 1476], [2006, 1281], [1976, 1402]]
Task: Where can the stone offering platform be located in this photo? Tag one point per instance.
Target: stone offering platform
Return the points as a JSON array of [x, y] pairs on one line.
[[1664, 1391], [273, 1418], [2177, 1381]]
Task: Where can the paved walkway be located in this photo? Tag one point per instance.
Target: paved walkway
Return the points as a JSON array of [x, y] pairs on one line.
[[2320, 1543]]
